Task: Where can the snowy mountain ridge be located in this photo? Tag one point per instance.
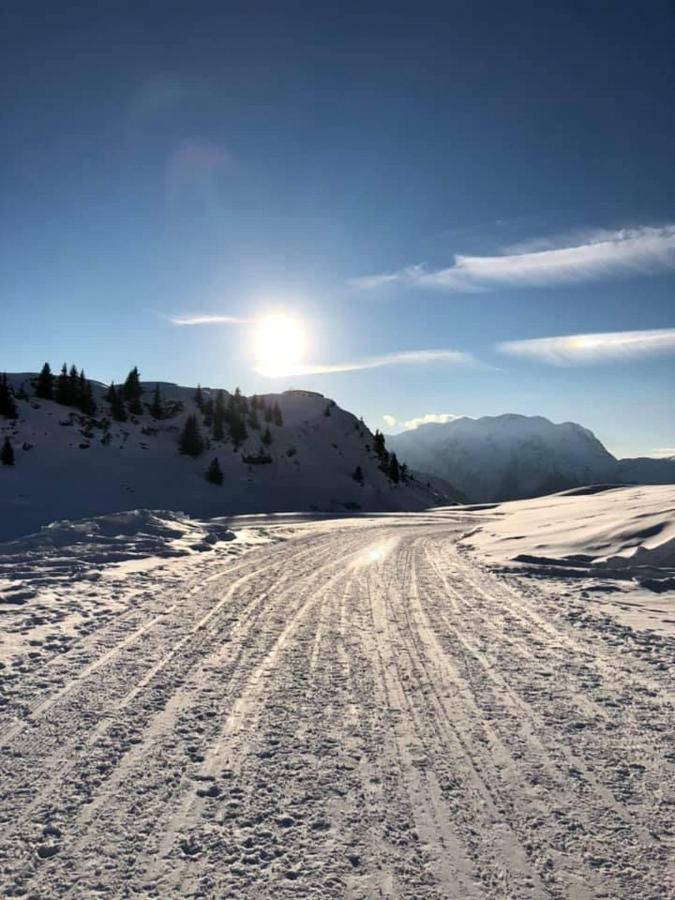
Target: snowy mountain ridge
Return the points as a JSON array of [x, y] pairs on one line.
[[297, 451], [512, 456]]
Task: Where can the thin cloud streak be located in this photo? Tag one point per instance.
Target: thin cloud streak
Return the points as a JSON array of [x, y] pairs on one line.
[[207, 319], [604, 254], [408, 357], [586, 349]]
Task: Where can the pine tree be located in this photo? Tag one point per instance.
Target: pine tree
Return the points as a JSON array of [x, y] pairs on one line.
[[269, 413], [238, 432], [326, 411], [7, 404], [7, 453], [117, 409], [253, 420], [199, 398], [85, 396], [378, 444], [44, 386], [219, 417], [61, 395], [405, 475], [207, 411], [278, 418], [191, 441], [156, 408], [73, 386], [267, 437], [132, 391], [357, 475], [214, 473], [394, 469]]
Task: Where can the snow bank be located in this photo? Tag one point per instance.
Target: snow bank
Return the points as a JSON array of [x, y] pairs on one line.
[[71, 576], [605, 528]]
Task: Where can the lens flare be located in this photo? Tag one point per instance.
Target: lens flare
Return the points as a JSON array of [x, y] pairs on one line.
[[279, 343]]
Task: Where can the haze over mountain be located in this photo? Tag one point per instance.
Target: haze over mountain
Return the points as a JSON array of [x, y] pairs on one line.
[[297, 451], [511, 457]]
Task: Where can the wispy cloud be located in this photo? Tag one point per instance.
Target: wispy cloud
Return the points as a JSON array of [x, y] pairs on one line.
[[207, 319], [663, 453], [581, 349], [437, 418], [407, 357], [600, 254], [389, 421]]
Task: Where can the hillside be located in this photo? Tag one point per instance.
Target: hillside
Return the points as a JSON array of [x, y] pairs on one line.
[[69, 465], [509, 457]]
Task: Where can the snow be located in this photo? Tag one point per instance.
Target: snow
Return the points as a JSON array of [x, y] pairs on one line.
[[67, 468], [345, 707], [614, 545], [607, 527], [508, 457], [351, 707], [71, 576]]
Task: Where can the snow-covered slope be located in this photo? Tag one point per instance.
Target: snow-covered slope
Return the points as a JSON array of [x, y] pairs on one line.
[[68, 466], [646, 470], [599, 529], [507, 457]]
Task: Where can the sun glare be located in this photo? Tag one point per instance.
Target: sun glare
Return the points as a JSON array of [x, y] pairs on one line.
[[278, 343]]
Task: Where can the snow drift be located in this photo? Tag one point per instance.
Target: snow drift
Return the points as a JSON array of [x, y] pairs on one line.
[[627, 531]]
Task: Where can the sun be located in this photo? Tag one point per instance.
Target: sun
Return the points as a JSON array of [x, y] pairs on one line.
[[278, 343]]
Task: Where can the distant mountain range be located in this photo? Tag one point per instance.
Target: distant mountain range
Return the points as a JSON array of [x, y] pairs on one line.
[[510, 457], [293, 452]]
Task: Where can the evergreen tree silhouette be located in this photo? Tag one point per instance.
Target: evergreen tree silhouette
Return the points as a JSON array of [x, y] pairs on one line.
[[253, 420], [72, 389], [214, 473], [394, 469], [156, 408], [191, 441], [61, 395], [7, 453], [219, 416], [85, 396], [278, 418], [357, 475], [44, 386], [199, 398], [117, 409], [7, 404], [132, 391], [267, 437]]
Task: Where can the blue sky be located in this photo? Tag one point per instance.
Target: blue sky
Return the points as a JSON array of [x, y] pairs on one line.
[[451, 177]]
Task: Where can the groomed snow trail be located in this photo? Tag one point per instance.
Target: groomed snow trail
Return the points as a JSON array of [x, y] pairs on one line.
[[362, 711]]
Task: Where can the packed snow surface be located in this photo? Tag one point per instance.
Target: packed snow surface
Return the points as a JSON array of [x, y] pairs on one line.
[[356, 707]]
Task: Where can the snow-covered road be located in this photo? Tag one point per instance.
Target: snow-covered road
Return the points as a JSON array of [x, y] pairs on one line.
[[361, 711]]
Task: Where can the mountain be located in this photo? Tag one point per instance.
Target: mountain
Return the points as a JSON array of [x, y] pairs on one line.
[[70, 465], [513, 457]]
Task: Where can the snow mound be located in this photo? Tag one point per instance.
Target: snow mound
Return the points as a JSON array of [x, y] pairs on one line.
[[136, 532], [63, 581], [628, 531]]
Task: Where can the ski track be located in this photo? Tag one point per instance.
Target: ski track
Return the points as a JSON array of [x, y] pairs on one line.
[[361, 711]]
